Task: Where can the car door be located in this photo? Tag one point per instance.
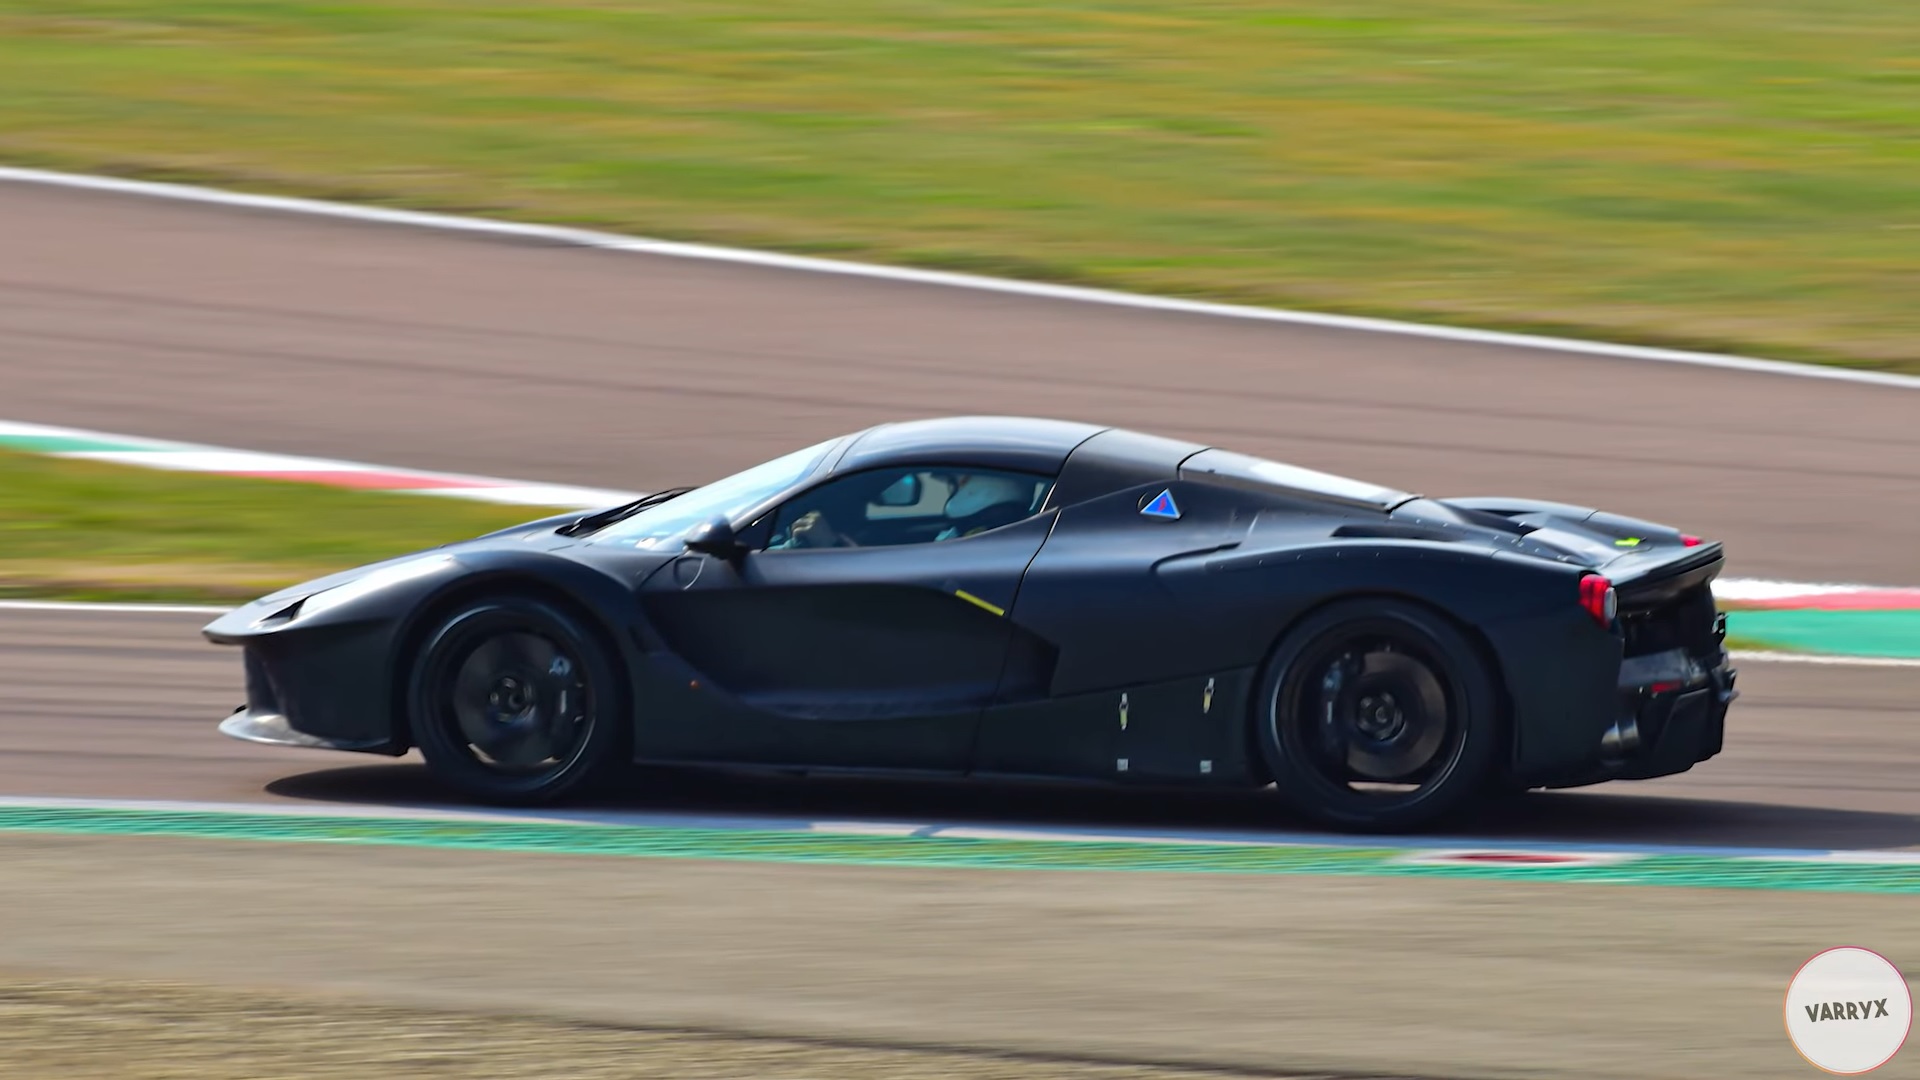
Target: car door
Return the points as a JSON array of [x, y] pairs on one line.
[[1137, 670], [878, 655]]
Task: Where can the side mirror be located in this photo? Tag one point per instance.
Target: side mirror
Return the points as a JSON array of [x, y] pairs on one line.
[[716, 538]]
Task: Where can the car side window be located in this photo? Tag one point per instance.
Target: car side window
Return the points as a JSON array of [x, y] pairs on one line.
[[918, 505]]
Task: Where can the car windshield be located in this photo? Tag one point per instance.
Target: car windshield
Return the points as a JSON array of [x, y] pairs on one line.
[[722, 498]]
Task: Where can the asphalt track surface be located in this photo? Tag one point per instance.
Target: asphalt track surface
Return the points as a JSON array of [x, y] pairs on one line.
[[442, 352]]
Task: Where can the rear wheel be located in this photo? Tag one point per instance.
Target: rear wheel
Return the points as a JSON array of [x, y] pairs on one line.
[[1377, 715], [514, 701]]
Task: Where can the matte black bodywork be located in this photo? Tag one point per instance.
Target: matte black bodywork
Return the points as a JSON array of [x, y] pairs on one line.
[[1090, 641]]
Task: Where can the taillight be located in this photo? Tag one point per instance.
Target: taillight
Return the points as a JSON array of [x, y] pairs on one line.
[[1598, 597], [1689, 541]]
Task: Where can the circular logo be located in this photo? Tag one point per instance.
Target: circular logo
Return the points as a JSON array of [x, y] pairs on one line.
[[1848, 1011]]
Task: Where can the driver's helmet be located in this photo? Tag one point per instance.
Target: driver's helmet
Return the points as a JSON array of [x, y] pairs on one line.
[[975, 493]]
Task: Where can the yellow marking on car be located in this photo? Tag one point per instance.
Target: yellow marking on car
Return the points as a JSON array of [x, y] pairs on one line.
[[977, 602], [1628, 541]]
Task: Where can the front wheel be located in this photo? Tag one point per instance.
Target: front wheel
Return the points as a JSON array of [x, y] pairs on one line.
[[514, 701], [1377, 715]]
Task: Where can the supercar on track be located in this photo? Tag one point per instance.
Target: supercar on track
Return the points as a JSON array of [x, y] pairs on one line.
[[1001, 597]]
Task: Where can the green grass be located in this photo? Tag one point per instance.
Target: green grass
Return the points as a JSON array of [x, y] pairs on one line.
[[1717, 173], [87, 531]]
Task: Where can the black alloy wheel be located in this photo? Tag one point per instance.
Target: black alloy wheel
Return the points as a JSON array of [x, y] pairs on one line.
[[1377, 715], [513, 701]]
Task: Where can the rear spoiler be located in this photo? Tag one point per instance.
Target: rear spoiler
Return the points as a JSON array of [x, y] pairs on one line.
[[1649, 579], [1642, 576]]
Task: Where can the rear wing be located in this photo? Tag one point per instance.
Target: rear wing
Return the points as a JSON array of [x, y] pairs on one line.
[[1647, 563], [1652, 578]]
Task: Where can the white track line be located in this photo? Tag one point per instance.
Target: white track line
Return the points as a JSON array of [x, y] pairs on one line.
[[947, 279], [1765, 589], [139, 451], [104, 608], [1769, 657]]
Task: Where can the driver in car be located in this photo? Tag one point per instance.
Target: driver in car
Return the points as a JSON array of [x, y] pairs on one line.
[[978, 503]]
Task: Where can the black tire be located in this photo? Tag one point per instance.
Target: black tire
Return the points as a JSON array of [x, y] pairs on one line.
[[513, 701], [1377, 691]]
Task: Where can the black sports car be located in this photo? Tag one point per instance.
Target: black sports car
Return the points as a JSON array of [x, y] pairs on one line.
[[1002, 597]]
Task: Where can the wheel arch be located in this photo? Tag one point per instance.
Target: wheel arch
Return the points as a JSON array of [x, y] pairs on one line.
[[1261, 774], [412, 634]]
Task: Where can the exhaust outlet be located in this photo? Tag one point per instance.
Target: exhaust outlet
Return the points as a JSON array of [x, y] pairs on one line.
[[1621, 739]]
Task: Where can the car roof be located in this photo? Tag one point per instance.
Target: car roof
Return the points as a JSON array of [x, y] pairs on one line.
[[1033, 444], [1087, 460]]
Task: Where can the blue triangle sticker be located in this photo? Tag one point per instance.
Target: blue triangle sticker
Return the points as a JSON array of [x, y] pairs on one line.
[[1162, 506]]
